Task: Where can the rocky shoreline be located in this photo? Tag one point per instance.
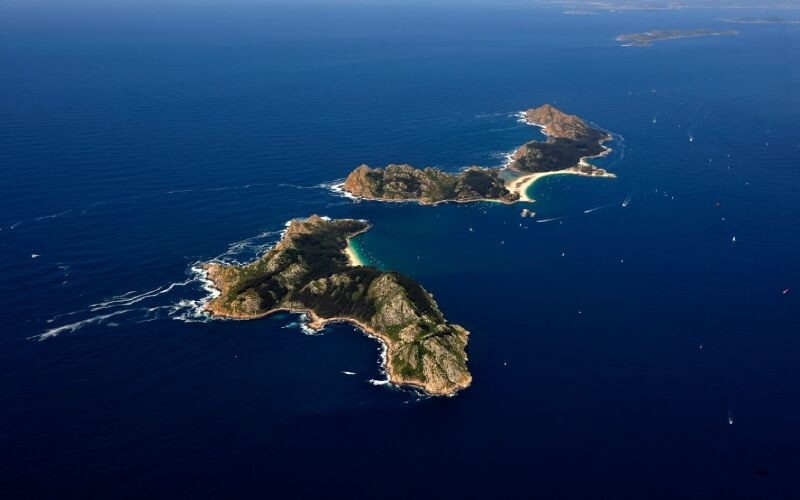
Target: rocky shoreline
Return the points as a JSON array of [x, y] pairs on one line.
[[308, 272], [570, 141]]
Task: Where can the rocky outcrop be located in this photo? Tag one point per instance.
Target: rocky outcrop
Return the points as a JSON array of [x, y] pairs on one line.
[[428, 185], [308, 271], [569, 139], [559, 125]]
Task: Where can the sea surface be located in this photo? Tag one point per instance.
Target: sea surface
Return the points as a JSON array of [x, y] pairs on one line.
[[623, 344]]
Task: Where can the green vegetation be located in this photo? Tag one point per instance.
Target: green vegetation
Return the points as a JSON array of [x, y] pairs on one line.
[[428, 185], [554, 154], [569, 139], [308, 271]]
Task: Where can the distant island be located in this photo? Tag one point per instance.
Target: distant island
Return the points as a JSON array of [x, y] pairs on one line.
[[759, 20], [569, 142], [312, 270], [648, 38], [661, 5]]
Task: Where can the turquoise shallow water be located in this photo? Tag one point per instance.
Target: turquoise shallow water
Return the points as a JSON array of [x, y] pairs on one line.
[[609, 346]]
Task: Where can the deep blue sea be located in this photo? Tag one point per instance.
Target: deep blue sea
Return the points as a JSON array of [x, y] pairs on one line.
[[610, 345]]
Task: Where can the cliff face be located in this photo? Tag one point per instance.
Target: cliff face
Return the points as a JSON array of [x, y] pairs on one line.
[[568, 140], [560, 125], [429, 185], [308, 271]]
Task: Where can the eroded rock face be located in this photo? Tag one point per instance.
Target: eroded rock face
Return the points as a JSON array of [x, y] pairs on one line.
[[428, 185], [560, 125], [308, 271]]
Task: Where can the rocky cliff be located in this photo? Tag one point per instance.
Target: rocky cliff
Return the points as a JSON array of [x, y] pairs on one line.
[[560, 125], [308, 271]]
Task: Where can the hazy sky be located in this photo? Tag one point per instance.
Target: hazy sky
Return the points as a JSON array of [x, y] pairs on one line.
[[587, 3]]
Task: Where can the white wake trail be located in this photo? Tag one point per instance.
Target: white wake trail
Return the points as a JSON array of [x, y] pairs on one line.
[[588, 211]]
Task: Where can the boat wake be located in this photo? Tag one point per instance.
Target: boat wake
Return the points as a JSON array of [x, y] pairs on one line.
[[553, 219], [625, 203], [590, 210]]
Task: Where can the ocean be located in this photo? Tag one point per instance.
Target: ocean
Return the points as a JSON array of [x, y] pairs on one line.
[[632, 341]]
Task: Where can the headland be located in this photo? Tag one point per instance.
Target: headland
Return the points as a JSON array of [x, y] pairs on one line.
[[309, 271]]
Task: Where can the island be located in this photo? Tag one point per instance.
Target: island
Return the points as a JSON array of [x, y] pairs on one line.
[[311, 271], [428, 185], [759, 20], [570, 141], [648, 38]]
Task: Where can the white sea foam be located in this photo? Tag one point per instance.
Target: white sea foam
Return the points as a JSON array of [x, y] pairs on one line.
[[337, 187], [249, 248], [72, 327], [187, 310], [344, 372], [194, 310], [53, 216], [128, 301], [306, 329], [296, 186], [383, 349]]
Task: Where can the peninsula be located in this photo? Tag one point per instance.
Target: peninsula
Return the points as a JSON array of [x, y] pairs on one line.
[[309, 272], [648, 38], [570, 141]]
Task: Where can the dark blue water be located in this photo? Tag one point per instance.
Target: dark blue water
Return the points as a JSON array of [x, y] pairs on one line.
[[608, 348]]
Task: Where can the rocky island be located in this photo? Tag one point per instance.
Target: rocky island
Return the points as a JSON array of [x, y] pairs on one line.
[[569, 142], [308, 271], [428, 185], [648, 38]]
